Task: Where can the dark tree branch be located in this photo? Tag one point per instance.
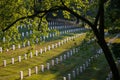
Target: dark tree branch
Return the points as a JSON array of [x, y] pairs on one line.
[[97, 17], [101, 22]]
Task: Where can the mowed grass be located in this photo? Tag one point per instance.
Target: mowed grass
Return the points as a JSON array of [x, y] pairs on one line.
[[11, 72], [20, 52], [58, 71], [98, 70]]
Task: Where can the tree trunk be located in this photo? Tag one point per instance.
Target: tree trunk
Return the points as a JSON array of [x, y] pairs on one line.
[[110, 60]]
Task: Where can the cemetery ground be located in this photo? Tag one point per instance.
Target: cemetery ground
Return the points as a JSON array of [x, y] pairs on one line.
[[97, 70]]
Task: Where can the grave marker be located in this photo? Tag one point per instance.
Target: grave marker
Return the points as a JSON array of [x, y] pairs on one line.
[[69, 76], [45, 49], [0, 49], [4, 39], [36, 69], [64, 56], [77, 71], [53, 62], [84, 66], [25, 56], [42, 68], [36, 53], [48, 66], [13, 47], [61, 59], [73, 72], [29, 72], [64, 78], [19, 58], [56, 60], [52, 46], [13, 61], [81, 69], [31, 55], [27, 33], [4, 63], [41, 51], [87, 64], [21, 75], [49, 47], [28, 43], [23, 34]]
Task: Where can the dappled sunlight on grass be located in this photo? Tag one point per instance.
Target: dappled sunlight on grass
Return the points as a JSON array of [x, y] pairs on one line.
[[95, 68]]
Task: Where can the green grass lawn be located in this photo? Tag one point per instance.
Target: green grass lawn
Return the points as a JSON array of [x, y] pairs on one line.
[[98, 70], [11, 72]]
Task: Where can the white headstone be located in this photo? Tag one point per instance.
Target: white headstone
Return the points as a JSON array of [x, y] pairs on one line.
[[4, 39], [21, 75], [13, 61], [27, 33], [36, 53], [64, 56], [41, 51], [0, 49], [56, 60], [69, 76], [77, 71], [13, 47], [45, 49], [53, 62], [84, 66], [42, 68], [4, 63], [71, 53], [19, 58], [48, 66], [25, 56], [61, 58], [36, 69], [81, 69], [87, 64], [68, 54], [89, 60], [28, 43], [56, 45], [76, 50], [23, 34], [29, 72], [49, 47], [52, 46], [64, 78], [31, 55], [30, 31], [7, 50], [73, 72], [21, 26]]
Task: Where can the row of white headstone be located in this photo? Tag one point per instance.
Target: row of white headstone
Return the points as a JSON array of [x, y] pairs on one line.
[[52, 63], [58, 44], [23, 34], [109, 77], [74, 73], [37, 40]]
